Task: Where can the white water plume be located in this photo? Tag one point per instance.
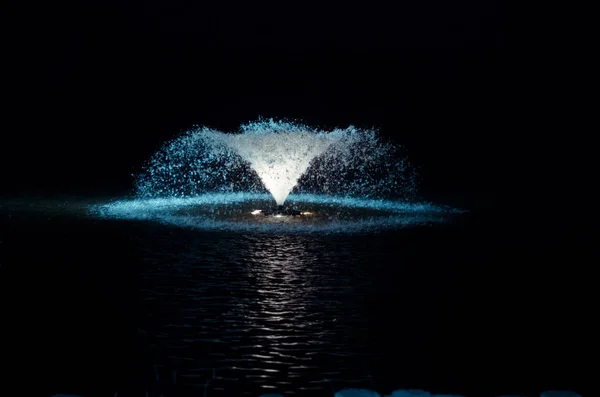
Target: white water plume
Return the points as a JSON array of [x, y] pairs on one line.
[[280, 157]]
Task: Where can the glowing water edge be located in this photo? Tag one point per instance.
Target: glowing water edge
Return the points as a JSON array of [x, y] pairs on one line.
[[234, 211], [344, 180]]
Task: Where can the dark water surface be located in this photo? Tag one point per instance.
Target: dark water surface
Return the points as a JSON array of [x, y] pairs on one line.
[[93, 307]]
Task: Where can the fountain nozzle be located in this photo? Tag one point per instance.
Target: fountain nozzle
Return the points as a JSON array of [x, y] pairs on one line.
[[281, 210]]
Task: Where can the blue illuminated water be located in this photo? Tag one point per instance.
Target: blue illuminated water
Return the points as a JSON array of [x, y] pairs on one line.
[[233, 212], [348, 180], [281, 158]]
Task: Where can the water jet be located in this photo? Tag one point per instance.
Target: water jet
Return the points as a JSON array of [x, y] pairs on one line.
[[281, 210], [309, 179]]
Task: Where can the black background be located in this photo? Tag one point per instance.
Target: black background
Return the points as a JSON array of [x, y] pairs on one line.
[[99, 87], [487, 99]]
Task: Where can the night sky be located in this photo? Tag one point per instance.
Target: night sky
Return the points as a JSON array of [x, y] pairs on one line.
[[99, 86]]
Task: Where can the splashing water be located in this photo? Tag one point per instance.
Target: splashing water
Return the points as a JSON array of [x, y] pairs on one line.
[[343, 181], [282, 157], [234, 212]]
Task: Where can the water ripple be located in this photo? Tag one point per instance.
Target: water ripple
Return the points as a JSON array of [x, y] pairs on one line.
[[268, 314], [231, 212]]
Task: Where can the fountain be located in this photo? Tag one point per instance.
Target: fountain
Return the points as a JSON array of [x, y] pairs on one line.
[[341, 179], [280, 157]]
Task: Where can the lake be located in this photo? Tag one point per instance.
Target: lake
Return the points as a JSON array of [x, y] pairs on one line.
[[470, 307]]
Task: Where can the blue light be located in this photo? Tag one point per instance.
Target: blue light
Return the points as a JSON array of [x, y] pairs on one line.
[[233, 212], [279, 157], [339, 181]]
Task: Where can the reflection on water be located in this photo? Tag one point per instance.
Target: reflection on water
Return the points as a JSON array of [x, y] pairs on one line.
[[281, 271], [429, 308], [269, 312]]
